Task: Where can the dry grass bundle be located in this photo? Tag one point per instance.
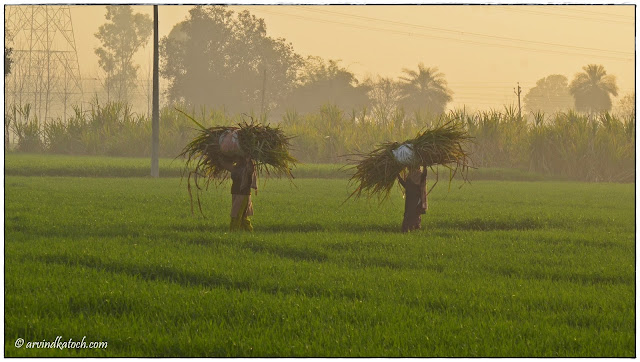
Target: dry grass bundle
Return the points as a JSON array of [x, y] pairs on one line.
[[377, 171], [267, 146]]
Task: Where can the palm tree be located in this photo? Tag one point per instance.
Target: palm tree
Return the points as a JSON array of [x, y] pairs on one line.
[[425, 88], [591, 90]]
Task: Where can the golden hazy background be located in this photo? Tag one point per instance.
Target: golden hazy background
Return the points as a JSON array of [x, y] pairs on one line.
[[482, 50]]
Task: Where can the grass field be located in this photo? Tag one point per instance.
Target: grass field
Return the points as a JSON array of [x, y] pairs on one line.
[[17, 164], [499, 269]]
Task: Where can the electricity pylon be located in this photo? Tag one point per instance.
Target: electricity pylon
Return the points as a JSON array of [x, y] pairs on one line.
[[45, 72]]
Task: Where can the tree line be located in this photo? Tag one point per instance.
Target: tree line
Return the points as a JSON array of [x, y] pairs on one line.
[[221, 59]]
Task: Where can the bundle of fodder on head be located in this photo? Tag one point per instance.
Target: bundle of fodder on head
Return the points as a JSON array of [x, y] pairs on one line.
[[444, 145], [212, 148]]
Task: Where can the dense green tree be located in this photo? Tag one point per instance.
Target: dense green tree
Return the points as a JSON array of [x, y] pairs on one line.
[[221, 59], [592, 89], [425, 89], [326, 82], [121, 37], [550, 95]]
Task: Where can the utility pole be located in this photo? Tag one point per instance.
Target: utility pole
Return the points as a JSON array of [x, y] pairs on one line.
[[264, 86], [518, 94], [155, 113]]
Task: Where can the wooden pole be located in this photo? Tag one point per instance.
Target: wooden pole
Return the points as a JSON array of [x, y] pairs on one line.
[[155, 113]]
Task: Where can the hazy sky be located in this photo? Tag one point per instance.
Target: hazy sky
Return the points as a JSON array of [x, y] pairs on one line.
[[483, 50]]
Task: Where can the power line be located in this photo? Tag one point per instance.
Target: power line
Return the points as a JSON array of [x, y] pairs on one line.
[[594, 13], [457, 32], [534, 12], [442, 37]]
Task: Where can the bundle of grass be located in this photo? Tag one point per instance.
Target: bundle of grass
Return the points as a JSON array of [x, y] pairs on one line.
[[207, 153], [376, 171]]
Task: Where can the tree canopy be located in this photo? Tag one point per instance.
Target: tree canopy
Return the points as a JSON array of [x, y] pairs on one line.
[[384, 97], [121, 37], [321, 82], [221, 59], [425, 89], [627, 105], [550, 95], [592, 89]]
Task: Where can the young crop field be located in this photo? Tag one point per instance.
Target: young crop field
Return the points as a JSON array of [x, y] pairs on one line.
[[500, 268]]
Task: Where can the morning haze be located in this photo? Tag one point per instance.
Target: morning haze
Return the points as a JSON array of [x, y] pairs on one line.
[[434, 181], [482, 51]]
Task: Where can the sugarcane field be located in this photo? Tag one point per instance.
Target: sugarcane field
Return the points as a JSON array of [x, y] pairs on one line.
[[306, 181]]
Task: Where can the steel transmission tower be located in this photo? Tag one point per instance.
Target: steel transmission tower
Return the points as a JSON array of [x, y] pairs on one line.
[[45, 71]]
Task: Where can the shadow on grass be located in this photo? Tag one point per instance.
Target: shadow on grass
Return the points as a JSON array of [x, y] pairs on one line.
[[299, 253], [295, 228], [571, 277], [290, 228], [186, 278], [315, 252], [270, 228], [523, 223], [583, 242], [114, 305], [296, 254], [382, 262], [369, 228], [491, 225], [22, 225]]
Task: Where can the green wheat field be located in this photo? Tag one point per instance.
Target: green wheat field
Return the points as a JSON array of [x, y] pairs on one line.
[[500, 268]]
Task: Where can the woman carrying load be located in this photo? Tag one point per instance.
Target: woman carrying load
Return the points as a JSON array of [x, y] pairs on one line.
[[415, 200], [243, 179]]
